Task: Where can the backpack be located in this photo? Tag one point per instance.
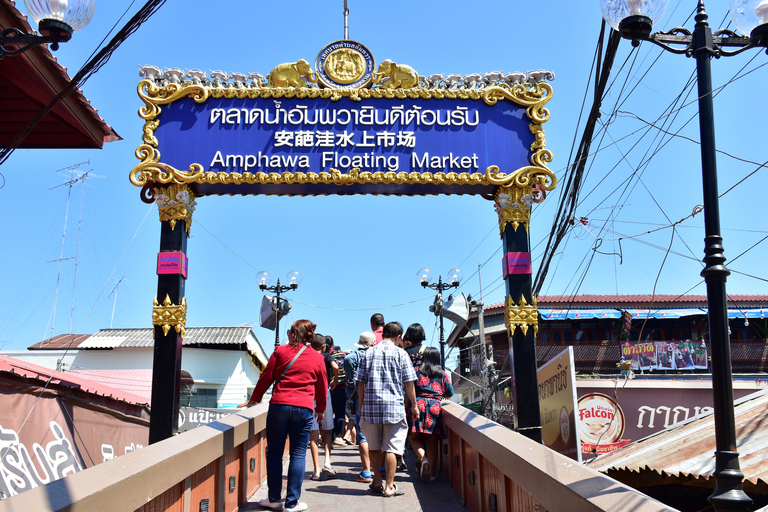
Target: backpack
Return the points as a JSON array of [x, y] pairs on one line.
[[338, 357]]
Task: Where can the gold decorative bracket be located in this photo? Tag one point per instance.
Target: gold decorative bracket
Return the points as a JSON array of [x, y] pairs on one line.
[[170, 315], [522, 315], [518, 192], [175, 202]]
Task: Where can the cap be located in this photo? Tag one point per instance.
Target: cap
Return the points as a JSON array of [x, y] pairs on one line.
[[367, 340]]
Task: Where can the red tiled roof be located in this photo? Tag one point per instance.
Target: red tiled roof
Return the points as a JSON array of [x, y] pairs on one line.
[[66, 379]]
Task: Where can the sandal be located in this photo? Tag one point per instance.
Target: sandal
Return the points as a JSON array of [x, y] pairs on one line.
[[396, 491], [330, 473], [314, 477], [376, 488]]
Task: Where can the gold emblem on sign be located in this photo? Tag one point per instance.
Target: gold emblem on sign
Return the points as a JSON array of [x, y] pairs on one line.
[[345, 65]]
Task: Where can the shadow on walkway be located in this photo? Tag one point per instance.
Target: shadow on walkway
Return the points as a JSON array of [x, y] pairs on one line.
[[343, 494]]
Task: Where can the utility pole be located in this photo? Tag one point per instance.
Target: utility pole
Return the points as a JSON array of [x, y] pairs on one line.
[[486, 352]]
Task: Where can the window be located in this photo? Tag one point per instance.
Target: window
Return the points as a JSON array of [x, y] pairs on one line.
[[203, 397]]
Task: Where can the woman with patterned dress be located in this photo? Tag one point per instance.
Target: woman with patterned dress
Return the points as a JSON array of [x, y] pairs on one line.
[[432, 385]]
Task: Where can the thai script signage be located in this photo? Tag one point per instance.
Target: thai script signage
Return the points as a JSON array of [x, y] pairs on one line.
[[665, 355], [193, 417], [39, 443], [557, 401], [612, 414], [172, 263], [345, 128], [299, 135], [517, 263]]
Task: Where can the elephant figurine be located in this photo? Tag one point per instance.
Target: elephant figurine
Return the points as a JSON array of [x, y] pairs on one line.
[[399, 75], [290, 73]]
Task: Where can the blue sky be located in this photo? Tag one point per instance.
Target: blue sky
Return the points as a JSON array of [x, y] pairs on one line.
[[359, 255]]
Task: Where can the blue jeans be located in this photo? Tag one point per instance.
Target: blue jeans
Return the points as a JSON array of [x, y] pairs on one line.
[[338, 402], [294, 423]]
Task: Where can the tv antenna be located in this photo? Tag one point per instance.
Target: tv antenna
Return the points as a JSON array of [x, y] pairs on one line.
[[114, 290], [75, 177]]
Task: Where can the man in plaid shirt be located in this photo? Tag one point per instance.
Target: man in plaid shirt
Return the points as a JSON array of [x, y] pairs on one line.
[[384, 376]]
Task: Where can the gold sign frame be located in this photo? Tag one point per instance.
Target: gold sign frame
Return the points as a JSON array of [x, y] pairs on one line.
[[530, 92]]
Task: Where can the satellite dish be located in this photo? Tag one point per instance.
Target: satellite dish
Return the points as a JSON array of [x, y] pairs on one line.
[[457, 310]]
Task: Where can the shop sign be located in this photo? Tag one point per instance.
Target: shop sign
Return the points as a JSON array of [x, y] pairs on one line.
[[557, 399]]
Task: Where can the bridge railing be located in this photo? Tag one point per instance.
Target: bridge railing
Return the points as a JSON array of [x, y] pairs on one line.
[[211, 468], [493, 468], [217, 467]]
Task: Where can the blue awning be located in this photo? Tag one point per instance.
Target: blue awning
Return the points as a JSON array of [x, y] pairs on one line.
[[588, 314]]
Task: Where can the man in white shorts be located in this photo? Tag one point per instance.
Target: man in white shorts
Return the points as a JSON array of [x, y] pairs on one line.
[[385, 375]]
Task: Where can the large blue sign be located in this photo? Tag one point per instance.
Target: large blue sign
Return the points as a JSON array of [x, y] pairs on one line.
[[347, 127], [277, 135]]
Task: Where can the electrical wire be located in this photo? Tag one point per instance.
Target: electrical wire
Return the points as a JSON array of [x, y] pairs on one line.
[[431, 297]]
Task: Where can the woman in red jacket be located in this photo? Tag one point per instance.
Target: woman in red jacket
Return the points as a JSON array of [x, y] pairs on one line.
[[294, 394]]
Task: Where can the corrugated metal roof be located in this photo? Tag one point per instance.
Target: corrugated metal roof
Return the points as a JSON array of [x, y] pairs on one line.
[[62, 341], [687, 448], [143, 338], [138, 382], [67, 379]]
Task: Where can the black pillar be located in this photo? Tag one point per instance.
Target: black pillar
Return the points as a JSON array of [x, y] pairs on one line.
[[729, 493], [166, 367], [522, 345]]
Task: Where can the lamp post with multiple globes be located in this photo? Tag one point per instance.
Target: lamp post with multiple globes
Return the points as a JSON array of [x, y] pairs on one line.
[[425, 277], [634, 20], [280, 305]]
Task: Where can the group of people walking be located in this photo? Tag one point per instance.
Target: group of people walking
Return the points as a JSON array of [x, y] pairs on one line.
[[393, 386]]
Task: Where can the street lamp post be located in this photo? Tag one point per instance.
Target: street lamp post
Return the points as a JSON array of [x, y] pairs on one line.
[[281, 305], [425, 276], [634, 20], [55, 21]]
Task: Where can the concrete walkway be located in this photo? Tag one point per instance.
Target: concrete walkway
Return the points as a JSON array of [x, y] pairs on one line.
[[343, 494]]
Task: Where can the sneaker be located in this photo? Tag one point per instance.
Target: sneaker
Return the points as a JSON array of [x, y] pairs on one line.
[[298, 508], [365, 477], [424, 473], [401, 466], [274, 505], [339, 442]]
